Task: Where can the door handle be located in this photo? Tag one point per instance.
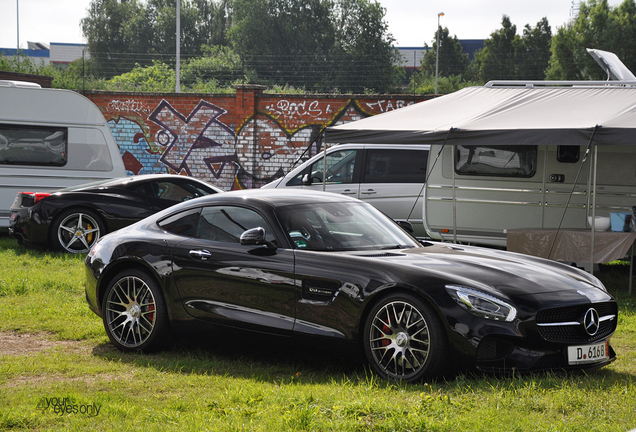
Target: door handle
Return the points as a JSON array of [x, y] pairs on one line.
[[368, 192], [348, 192], [200, 254]]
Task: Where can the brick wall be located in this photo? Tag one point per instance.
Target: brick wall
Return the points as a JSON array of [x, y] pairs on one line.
[[233, 141]]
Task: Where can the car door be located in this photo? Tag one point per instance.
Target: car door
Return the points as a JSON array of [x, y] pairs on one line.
[[222, 281], [392, 180], [342, 175]]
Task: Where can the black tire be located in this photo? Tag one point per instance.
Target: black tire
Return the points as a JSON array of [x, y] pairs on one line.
[[76, 231], [404, 339], [134, 312]]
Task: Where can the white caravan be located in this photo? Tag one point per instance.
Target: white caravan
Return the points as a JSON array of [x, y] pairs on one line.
[[500, 188], [51, 139], [512, 155]]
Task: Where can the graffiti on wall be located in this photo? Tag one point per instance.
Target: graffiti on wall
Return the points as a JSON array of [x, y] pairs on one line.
[[202, 144]]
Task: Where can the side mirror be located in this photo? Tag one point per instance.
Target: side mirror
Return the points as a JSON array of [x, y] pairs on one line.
[[256, 237], [307, 179], [406, 226]]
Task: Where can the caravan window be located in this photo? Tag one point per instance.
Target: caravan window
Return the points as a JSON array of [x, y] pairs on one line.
[[505, 161], [33, 145]]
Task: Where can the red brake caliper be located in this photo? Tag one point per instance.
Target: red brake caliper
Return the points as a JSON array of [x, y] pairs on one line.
[[151, 316]]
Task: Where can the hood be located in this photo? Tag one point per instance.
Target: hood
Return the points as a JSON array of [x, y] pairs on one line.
[[501, 272]]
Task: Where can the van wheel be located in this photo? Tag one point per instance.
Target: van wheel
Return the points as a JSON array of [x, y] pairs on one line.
[[76, 231]]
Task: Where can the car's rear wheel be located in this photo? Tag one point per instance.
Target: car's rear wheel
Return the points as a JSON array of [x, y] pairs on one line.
[[134, 312], [404, 339], [76, 231]]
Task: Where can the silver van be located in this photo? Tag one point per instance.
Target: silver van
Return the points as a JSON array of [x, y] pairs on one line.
[[51, 139], [389, 177]]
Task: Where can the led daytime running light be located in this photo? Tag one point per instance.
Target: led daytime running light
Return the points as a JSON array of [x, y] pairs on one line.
[[481, 304]]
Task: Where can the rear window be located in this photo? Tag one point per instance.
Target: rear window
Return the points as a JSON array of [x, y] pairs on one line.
[[503, 161], [33, 145]]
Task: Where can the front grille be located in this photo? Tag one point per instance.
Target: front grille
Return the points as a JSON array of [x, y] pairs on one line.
[[575, 333], [574, 313]]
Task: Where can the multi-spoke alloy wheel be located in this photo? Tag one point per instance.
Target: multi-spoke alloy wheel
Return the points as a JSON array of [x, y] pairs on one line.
[[403, 340], [77, 232], [133, 312]]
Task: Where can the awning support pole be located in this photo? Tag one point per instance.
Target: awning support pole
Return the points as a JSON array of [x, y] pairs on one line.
[[453, 149], [587, 152], [428, 174], [595, 163], [324, 164]]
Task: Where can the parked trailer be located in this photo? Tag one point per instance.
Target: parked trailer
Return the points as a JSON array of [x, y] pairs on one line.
[[523, 187], [51, 139]]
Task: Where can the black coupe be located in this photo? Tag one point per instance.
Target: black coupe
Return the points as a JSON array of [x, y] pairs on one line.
[[73, 219], [315, 264]]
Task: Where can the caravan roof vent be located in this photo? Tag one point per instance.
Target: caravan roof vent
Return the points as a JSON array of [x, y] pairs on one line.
[[612, 65]]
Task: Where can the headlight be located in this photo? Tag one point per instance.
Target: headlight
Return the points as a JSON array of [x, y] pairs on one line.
[[481, 304]]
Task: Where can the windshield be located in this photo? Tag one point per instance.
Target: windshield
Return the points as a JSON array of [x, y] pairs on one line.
[[344, 226]]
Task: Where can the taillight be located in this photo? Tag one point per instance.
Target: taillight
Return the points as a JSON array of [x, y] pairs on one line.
[[33, 196], [39, 195]]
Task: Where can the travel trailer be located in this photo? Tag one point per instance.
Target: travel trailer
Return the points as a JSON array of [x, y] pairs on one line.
[[516, 155], [491, 189], [51, 139]]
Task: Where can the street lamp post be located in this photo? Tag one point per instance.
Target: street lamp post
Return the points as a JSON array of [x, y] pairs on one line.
[[177, 87], [441, 14]]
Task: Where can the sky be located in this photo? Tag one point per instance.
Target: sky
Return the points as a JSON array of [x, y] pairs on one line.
[[411, 22]]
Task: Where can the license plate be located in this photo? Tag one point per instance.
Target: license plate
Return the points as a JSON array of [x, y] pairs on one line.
[[588, 353]]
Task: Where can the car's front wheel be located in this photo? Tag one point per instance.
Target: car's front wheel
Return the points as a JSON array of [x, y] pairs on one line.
[[404, 339], [76, 231], [134, 312]]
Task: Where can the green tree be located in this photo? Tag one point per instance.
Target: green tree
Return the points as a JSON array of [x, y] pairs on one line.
[[219, 66], [158, 77], [533, 54], [365, 58], [452, 59], [497, 60], [599, 26], [316, 44], [508, 56], [121, 33], [283, 41]]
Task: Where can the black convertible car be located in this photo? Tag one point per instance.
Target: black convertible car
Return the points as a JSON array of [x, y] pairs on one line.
[[303, 263], [73, 219]]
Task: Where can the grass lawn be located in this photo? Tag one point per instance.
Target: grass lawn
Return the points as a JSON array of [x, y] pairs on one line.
[[58, 372]]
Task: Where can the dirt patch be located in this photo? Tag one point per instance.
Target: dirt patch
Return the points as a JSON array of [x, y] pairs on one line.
[[18, 344]]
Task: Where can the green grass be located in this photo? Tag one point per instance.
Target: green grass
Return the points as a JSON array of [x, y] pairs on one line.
[[225, 383]]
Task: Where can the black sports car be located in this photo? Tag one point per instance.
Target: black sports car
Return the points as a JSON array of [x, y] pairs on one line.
[[73, 219], [302, 263]]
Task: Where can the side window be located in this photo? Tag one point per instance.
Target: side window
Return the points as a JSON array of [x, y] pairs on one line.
[[504, 161], [395, 166], [173, 192], [32, 145], [184, 224], [170, 191], [226, 224], [340, 165], [568, 153]]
